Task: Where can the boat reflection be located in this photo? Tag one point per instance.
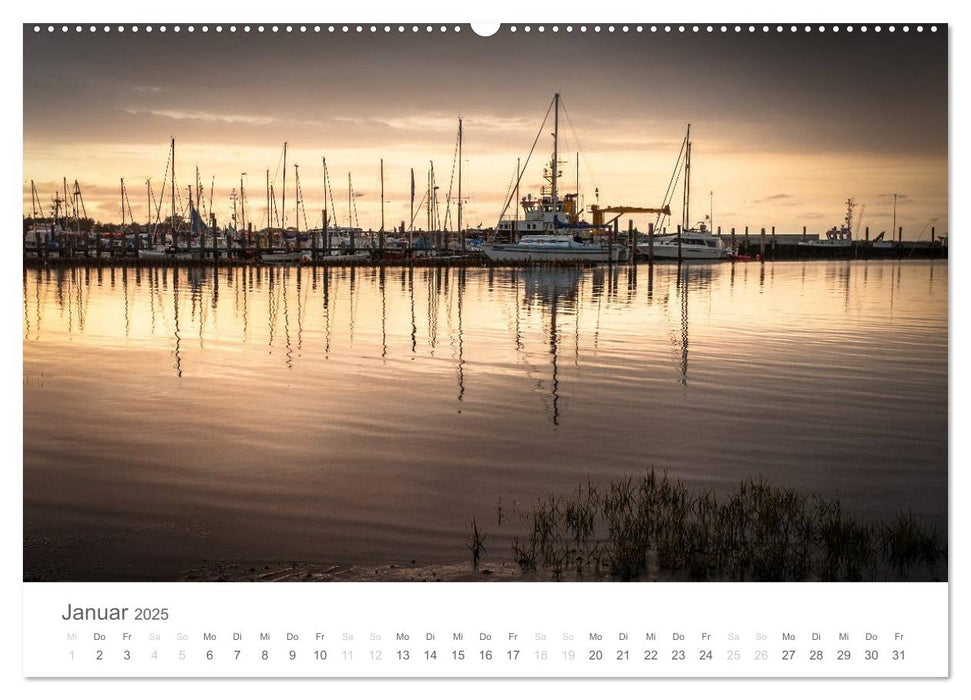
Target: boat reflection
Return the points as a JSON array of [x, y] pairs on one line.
[[365, 314]]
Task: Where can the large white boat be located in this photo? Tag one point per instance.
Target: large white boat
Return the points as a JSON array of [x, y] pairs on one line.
[[553, 247], [696, 244], [551, 229]]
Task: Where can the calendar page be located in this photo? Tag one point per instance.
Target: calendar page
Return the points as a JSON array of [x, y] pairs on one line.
[[539, 349]]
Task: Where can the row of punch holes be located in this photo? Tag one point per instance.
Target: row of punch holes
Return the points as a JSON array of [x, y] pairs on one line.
[[428, 28]]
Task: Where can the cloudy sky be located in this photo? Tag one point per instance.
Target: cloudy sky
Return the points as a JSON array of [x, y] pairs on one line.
[[785, 126]]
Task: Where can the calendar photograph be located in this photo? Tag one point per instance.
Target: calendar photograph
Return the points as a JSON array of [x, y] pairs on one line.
[[323, 304]]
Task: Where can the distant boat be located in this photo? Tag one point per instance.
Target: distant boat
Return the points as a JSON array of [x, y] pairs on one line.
[[838, 237], [282, 257], [157, 253]]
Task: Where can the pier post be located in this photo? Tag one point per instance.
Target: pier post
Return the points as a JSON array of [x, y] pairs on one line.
[[762, 245], [631, 242], [679, 243], [746, 239], [773, 242], [733, 241], [804, 233], [900, 234], [933, 236], [867, 234], [650, 243]]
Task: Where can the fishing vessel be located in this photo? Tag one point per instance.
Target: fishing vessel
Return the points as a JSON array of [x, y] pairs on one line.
[[550, 230], [837, 237]]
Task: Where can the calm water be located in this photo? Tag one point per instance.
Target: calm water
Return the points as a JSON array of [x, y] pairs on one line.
[[365, 416]]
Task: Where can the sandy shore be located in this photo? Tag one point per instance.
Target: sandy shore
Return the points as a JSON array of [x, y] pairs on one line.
[[307, 571]]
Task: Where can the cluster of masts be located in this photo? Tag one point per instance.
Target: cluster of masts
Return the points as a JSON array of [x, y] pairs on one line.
[[68, 211]]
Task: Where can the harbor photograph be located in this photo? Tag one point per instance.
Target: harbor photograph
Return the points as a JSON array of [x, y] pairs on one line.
[[406, 303]]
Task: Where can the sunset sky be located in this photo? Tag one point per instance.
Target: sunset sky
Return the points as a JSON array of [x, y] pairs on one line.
[[785, 126]]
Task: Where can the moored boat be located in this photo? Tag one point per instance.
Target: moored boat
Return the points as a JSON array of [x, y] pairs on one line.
[[696, 244], [837, 237], [551, 229], [559, 247]]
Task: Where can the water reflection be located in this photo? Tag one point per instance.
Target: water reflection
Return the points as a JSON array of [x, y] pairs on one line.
[[362, 413]]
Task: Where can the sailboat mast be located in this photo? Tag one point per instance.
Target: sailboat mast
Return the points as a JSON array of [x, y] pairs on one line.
[[515, 219], [461, 235], [123, 204], [382, 195], [296, 185], [556, 144], [686, 213], [350, 218], [172, 222], [269, 219], [411, 225], [283, 226], [434, 200]]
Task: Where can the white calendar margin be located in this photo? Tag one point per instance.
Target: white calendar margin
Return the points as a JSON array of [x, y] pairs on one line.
[[445, 10], [493, 620]]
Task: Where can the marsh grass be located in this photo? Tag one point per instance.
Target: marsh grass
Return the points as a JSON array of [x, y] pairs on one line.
[[653, 525], [476, 544]]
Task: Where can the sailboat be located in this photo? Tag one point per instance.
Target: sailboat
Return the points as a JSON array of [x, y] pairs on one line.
[[552, 231], [163, 251], [697, 243], [283, 255]]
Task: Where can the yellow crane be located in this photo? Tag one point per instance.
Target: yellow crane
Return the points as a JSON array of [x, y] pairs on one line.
[[598, 213]]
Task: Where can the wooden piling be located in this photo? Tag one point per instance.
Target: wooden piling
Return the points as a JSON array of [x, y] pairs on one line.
[[631, 242], [679, 243], [803, 233], [650, 243], [733, 239], [762, 245], [867, 233], [773, 242]]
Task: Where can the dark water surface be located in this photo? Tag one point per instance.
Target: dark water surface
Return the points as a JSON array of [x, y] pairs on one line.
[[364, 416]]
